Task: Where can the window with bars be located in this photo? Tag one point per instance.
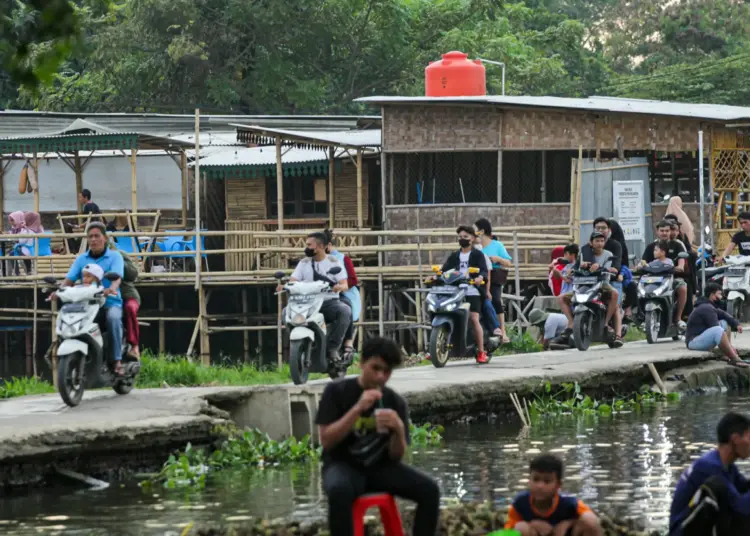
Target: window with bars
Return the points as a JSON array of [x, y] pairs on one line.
[[304, 197]]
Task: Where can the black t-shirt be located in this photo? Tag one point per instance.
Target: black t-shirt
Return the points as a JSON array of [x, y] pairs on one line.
[[364, 446], [675, 248], [743, 242], [91, 208]]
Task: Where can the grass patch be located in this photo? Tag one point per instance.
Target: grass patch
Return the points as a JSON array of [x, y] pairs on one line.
[[521, 342], [25, 386]]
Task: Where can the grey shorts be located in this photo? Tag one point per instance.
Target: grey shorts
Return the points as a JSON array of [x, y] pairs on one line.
[[678, 283]]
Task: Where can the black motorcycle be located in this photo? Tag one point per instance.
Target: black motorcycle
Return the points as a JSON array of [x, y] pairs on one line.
[[452, 335], [589, 311], [657, 301]]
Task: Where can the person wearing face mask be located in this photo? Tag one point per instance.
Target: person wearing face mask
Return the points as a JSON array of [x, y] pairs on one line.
[[351, 296], [461, 260], [316, 266]]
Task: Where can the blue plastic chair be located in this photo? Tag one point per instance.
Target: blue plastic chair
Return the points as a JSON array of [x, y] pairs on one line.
[[125, 244], [187, 246], [171, 243]]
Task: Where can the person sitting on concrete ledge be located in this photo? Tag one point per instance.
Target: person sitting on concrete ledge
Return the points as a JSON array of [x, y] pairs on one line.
[[364, 431], [551, 326], [712, 497], [707, 327]]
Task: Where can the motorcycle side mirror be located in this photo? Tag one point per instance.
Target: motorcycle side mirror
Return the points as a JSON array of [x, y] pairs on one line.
[[682, 255], [50, 280], [278, 275], [335, 270], [111, 276]]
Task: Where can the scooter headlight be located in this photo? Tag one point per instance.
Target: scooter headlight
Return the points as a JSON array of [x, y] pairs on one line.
[[450, 306], [299, 319]]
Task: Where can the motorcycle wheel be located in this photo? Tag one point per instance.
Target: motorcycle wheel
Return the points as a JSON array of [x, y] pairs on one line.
[[652, 326], [299, 362], [737, 309], [123, 387], [582, 331], [70, 381], [439, 351]]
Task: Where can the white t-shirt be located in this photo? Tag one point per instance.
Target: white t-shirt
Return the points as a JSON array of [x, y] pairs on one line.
[[304, 269], [463, 267]]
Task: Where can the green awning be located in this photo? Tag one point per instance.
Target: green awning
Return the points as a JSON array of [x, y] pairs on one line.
[[70, 143], [292, 169]]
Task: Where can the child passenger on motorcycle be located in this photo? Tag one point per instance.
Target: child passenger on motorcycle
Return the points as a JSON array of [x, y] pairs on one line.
[[92, 275]]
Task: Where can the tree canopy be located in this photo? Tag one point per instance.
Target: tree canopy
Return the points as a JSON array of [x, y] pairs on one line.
[[316, 56]]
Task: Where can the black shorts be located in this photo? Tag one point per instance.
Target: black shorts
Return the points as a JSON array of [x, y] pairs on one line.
[[475, 303]]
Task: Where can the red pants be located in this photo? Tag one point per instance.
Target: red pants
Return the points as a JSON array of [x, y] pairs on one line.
[[132, 333]]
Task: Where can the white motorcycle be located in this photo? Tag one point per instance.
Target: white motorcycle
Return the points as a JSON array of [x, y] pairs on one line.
[[737, 284], [308, 341], [80, 352]]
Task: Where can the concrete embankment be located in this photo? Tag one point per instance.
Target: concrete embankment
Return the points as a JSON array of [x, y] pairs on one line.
[[458, 520], [137, 431]]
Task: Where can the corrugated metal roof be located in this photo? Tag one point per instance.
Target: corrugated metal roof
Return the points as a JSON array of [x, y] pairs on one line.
[[25, 123], [338, 138], [261, 156], [716, 112]]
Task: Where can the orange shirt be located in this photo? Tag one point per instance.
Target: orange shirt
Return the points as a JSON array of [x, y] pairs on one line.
[[563, 508]]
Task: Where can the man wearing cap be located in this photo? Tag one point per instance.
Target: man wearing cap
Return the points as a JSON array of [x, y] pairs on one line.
[[109, 261], [551, 325], [592, 257]]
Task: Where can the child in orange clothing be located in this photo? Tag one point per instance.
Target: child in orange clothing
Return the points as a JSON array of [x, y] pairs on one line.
[[543, 511]]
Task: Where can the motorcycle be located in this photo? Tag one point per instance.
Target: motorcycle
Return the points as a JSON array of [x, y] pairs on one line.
[[452, 335], [737, 283], [307, 329], [589, 311], [81, 363], [657, 301]]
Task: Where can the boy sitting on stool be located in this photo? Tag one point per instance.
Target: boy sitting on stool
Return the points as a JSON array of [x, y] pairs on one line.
[[543, 511]]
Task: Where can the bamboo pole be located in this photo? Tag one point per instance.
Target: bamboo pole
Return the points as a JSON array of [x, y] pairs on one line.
[[279, 187], [360, 212], [35, 165], [381, 306], [162, 334], [78, 170], [197, 203], [579, 179], [53, 328], [184, 184], [133, 182], [205, 339], [245, 336], [331, 188]]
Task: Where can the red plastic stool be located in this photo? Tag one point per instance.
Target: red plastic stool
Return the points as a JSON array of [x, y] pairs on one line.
[[388, 513]]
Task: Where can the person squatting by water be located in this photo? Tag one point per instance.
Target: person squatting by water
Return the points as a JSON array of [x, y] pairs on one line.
[[712, 498], [364, 431], [544, 511]]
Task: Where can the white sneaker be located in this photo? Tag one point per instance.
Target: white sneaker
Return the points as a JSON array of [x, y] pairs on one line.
[[682, 325]]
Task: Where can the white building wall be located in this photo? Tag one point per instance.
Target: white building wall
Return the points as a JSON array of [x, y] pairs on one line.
[[108, 178]]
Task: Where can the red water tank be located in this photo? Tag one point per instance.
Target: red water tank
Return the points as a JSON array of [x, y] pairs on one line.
[[455, 76]]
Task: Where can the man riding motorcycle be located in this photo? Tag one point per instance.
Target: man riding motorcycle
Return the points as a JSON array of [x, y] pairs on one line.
[[315, 267], [110, 261]]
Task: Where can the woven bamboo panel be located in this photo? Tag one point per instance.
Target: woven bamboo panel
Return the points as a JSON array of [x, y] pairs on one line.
[[346, 194], [246, 199]]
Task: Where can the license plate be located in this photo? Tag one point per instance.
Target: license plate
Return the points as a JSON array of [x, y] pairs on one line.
[[648, 280], [72, 308], [736, 272], [442, 291], [584, 280], [301, 297]]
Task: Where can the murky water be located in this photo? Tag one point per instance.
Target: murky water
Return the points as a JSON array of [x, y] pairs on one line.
[[625, 465]]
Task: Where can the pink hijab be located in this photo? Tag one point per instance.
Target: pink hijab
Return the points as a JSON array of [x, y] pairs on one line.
[[33, 222], [17, 221], [20, 220]]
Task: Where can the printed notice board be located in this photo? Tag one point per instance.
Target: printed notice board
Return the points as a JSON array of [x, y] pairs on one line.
[[627, 201]]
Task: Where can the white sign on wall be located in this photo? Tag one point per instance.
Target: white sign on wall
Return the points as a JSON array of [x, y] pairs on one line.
[[629, 208]]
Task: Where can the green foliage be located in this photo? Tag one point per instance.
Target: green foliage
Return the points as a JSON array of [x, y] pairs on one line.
[[569, 400], [24, 386], [252, 448], [521, 342]]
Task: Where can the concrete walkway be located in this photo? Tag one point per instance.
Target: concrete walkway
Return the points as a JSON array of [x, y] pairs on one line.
[[43, 426]]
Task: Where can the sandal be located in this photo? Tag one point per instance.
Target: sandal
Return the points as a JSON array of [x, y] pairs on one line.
[[348, 351], [118, 369], [618, 342], [506, 340], [738, 363]]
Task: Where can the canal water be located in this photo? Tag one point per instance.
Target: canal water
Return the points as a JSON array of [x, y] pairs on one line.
[[625, 465]]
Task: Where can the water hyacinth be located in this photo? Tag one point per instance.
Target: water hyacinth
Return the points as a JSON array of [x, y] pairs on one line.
[[252, 448], [569, 400]]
